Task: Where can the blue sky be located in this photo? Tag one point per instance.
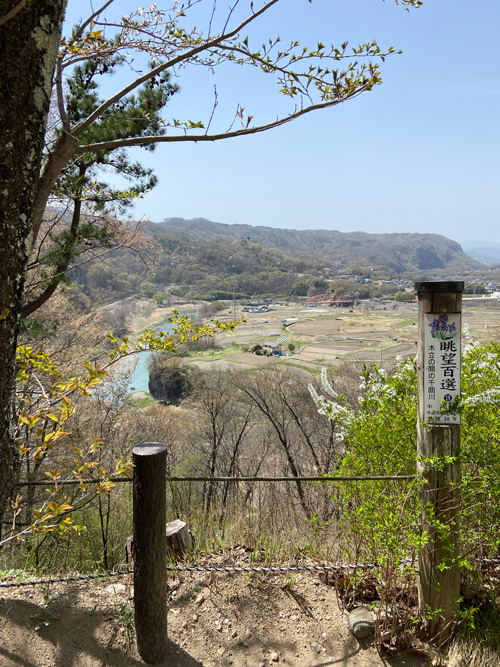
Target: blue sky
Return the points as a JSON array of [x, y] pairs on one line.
[[420, 153]]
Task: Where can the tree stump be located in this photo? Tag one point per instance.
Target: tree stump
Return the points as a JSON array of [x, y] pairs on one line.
[[179, 539]]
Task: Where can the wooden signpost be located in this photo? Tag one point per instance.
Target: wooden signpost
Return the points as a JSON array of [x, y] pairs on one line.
[[438, 366]]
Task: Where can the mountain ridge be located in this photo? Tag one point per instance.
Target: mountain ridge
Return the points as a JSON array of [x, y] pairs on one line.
[[403, 252]]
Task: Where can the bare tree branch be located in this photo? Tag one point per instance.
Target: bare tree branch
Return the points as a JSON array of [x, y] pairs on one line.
[[60, 96], [206, 45], [88, 21], [145, 141]]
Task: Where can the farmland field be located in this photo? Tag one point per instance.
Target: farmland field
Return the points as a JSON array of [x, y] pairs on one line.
[[363, 334]]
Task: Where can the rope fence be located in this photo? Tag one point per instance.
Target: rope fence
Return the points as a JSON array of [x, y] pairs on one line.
[[229, 569], [196, 568], [236, 480]]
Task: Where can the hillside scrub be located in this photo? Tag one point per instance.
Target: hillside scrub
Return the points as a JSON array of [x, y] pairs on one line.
[[380, 439], [262, 422], [68, 449], [221, 429]]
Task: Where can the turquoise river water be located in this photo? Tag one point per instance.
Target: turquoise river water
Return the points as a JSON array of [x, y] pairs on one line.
[[139, 380]]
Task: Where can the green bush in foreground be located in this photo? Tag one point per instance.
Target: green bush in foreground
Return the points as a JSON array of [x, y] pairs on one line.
[[380, 438]]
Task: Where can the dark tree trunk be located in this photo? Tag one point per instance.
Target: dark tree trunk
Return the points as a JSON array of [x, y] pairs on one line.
[[29, 41]]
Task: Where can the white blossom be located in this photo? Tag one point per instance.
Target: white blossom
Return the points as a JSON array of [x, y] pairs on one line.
[[326, 384], [490, 396], [331, 409]]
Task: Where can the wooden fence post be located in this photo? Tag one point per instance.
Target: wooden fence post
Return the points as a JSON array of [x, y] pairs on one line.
[[438, 367], [149, 548]]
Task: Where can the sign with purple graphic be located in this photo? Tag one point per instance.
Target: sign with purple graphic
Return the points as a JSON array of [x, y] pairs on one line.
[[442, 367]]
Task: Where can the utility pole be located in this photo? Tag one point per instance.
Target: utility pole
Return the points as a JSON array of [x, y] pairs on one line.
[[234, 297]]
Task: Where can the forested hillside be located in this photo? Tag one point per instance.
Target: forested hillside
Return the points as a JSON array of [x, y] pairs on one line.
[[403, 253], [200, 259]]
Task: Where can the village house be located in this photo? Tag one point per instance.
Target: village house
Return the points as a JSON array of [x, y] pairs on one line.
[[272, 349]]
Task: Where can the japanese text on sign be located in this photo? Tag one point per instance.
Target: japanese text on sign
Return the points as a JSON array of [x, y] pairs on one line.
[[441, 367]]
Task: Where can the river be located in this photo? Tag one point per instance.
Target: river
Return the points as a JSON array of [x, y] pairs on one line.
[[139, 380]]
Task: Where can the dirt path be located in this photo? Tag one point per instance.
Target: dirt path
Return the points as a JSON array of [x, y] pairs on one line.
[[244, 620]]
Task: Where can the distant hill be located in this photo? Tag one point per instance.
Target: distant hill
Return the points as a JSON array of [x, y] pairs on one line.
[[201, 259], [486, 255], [403, 253]]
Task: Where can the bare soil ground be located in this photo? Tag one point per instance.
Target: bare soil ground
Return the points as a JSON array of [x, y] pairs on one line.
[[213, 620]]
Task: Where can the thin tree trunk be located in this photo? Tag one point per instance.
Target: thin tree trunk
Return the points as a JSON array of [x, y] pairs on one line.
[[54, 163], [104, 519], [63, 263]]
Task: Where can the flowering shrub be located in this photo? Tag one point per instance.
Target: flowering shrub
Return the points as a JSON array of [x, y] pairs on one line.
[[382, 519]]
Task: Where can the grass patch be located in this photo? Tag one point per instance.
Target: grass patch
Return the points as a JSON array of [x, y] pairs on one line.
[[208, 354], [477, 644], [405, 323], [141, 403], [298, 342], [19, 575], [218, 353]]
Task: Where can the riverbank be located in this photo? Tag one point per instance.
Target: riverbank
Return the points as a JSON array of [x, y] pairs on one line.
[[123, 368], [143, 315]]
